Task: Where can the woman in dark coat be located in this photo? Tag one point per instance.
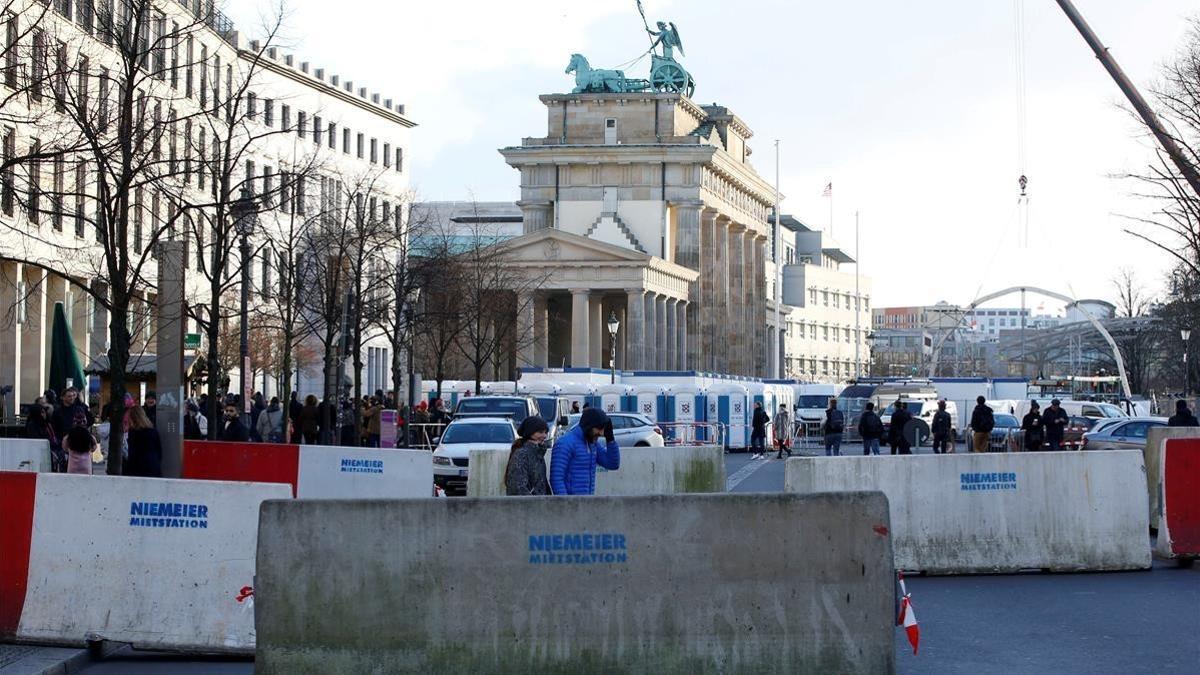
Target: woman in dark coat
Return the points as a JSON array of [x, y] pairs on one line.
[[145, 447], [526, 470]]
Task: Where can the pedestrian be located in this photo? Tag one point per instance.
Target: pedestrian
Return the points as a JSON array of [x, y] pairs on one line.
[[295, 407], [232, 429], [577, 452], [1183, 416], [982, 423], [758, 431], [1034, 428], [782, 426], [37, 421], [575, 408], [832, 428], [1054, 421], [870, 429], [420, 430], [71, 412], [310, 420], [371, 419], [191, 423], [80, 445], [256, 410], [150, 406], [270, 422], [525, 473], [897, 438], [941, 428], [145, 447]]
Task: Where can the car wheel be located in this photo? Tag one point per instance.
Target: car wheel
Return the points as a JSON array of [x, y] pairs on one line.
[[641, 444]]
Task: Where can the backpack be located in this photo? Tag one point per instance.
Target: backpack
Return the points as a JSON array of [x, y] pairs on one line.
[[835, 422], [874, 426]]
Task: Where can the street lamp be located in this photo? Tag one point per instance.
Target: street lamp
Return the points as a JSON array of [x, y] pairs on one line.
[[613, 326], [409, 322], [1185, 334], [245, 218]]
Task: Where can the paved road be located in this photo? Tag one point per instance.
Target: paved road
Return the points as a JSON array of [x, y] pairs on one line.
[[1024, 623]]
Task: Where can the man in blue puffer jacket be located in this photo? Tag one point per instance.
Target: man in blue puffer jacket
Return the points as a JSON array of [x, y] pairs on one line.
[[577, 452]]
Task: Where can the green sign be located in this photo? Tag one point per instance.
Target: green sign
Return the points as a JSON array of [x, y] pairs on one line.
[[191, 341]]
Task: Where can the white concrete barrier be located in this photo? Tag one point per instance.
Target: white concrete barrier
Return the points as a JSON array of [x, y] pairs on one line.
[[1152, 455], [158, 563], [24, 454], [644, 471], [1000, 512], [660, 584]]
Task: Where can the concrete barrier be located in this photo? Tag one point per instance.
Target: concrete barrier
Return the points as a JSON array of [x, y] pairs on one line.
[[1179, 519], [1152, 455], [680, 583], [315, 471], [154, 562], [1001, 512], [644, 471], [24, 454]]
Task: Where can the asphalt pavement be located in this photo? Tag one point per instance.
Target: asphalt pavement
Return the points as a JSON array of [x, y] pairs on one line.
[[1128, 622]]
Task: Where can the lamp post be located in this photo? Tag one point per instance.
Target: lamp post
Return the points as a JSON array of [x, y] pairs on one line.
[[409, 322], [245, 218], [1185, 334], [613, 326]]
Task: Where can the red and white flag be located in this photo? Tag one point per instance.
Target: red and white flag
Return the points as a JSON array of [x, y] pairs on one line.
[[828, 190], [908, 618]]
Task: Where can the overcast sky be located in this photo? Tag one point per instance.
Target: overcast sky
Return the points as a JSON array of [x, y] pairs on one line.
[[909, 108]]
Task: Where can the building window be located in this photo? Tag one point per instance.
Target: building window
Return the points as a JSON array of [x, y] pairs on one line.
[[80, 188], [251, 105], [268, 111], [12, 30], [37, 68], [317, 128], [387, 155], [35, 187], [374, 151], [8, 196], [332, 136], [56, 198], [345, 140], [301, 122], [203, 76], [268, 193], [825, 298], [137, 220], [359, 145], [399, 159], [285, 117]]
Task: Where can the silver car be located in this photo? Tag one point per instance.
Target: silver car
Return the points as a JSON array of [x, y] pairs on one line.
[[1127, 433], [630, 430]]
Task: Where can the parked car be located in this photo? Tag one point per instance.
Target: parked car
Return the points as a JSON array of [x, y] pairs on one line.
[[1006, 434], [630, 430], [553, 410], [1129, 434], [1076, 427], [452, 454]]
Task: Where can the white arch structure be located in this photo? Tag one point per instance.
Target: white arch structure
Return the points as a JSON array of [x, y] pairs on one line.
[[937, 350]]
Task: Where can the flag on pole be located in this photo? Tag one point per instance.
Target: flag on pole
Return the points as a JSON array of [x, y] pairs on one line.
[[908, 618], [828, 190]]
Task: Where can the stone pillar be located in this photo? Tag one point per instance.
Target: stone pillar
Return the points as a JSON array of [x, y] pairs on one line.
[[671, 343], [666, 333], [527, 341], [635, 329], [737, 328], [10, 337], [760, 307], [541, 333], [169, 379], [754, 320], [702, 311], [683, 319], [579, 327], [33, 360], [598, 338], [651, 341], [719, 306], [688, 250], [536, 215]]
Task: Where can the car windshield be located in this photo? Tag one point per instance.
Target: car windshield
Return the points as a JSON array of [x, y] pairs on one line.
[[548, 408], [1006, 421], [1111, 410], [914, 408], [812, 401], [514, 407], [478, 433]]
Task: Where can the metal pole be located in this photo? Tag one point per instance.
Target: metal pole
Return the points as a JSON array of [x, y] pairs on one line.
[[612, 357], [1023, 374], [1135, 98], [777, 348], [244, 338], [857, 303], [412, 394]]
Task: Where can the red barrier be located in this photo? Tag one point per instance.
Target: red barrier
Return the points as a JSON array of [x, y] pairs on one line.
[[254, 462], [1179, 522], [17, 492]]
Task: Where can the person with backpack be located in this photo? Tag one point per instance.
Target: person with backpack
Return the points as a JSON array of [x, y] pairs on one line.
[[1034, 428], [758, 431], [941, 429], [832, 428], [982, 423], [870, 429], [896, 436], [270, 423], [525, 473]]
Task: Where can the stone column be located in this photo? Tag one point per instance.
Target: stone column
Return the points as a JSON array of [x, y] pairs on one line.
[[10, 337], [688, 248], [737, 328], [635, 327], [598, 338], [684, 319], [541, 333], [527, 352], [754, 320], [719, 306], [579, 327], [536, 215], [760, 306], [651, 344], [701, 308], [33, 371], [671, 342]]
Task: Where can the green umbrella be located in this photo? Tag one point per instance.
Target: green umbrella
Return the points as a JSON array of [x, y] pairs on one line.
[[64, 360]]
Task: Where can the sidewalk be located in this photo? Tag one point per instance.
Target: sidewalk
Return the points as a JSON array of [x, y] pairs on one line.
[[35, 660]]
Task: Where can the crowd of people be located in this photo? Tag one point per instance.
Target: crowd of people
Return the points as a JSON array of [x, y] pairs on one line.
[[75, 441]]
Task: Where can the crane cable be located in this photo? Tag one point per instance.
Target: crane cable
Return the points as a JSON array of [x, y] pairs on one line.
[[1022, 156]]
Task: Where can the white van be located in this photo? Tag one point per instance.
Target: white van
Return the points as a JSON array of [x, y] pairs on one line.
[[813, 399]]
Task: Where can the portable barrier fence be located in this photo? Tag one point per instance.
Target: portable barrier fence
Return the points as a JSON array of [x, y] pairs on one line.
[[693, 433]]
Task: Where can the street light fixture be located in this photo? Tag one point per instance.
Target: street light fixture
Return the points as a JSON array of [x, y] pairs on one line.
[[245, 220], [613, 326], [1185, 334]]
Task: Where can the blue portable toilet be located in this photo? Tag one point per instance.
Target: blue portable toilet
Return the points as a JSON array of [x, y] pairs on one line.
[[615, 397], [686, 409], [732, 412], [650, 400]]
